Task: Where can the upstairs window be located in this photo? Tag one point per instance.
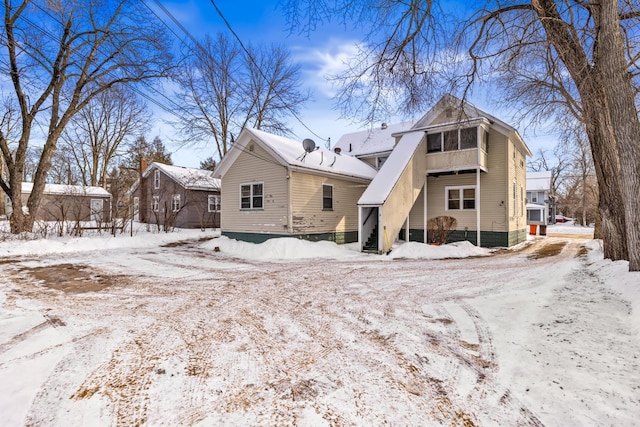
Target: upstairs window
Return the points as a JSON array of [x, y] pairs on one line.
[[156, 179], [251, 195], [327, 197], [455, 139]]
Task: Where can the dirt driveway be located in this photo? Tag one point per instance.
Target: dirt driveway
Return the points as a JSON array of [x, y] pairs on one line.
[[186, 336]]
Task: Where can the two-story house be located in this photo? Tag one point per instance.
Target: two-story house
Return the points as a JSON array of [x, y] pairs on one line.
[[379, 184]]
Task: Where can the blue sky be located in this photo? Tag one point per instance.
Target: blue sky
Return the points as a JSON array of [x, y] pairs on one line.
[[319, 54]]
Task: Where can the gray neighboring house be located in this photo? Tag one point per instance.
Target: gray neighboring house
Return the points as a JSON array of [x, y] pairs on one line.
[[62, 202], [541, 207], [177, 196]]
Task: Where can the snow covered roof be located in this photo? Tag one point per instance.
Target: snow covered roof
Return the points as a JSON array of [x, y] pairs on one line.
[[75, 190], [381, 187], [371, 141], [539, 181], [291, 153], [189, 178]]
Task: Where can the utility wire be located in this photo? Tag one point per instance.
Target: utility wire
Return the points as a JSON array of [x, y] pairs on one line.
[[250, 56]]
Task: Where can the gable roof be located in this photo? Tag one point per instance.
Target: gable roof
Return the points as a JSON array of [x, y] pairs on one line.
[[371, 141], [539, 181], [290, 153], [380, 140], [68, 190], [189, 178]]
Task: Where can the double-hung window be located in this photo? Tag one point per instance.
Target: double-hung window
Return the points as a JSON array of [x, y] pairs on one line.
[[460, 198], [175, 203], [213, 202], [252, 195], [156, 179], [327, 197], [155, 204]]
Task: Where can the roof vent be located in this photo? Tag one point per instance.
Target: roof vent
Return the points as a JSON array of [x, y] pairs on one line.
[[384, 126], [337, 150]]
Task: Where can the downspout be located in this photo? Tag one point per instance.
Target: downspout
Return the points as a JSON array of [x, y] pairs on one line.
[[360, 228], [290, 204], [424, 225], [479, 143]]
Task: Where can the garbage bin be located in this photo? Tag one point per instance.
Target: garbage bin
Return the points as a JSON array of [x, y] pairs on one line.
[[533, 228], [543, 230]]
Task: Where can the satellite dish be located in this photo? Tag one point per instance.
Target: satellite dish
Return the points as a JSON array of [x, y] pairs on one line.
[[309, 145]]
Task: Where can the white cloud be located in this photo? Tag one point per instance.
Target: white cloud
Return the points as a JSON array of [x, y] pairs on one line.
[[322, 62]]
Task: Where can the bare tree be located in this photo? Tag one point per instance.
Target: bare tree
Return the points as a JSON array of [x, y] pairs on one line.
[[577, 58], [59, 56], [96, 134], [225, 88]]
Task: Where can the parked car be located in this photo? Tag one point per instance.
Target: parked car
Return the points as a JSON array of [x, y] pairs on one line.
[[562, 218]]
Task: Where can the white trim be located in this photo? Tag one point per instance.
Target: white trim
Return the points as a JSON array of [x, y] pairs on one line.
[[251, 196], [156, 179], [155, 204], [461, 189], [175, 207], [332, 197], [216, 202]]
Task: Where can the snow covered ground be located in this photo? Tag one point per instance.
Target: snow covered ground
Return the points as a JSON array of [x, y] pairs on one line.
[[187, 328]]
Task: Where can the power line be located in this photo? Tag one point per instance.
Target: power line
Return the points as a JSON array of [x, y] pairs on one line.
[[254, 62]]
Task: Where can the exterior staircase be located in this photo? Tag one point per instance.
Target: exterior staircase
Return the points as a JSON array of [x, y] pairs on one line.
[[395, 189], [371, 245]]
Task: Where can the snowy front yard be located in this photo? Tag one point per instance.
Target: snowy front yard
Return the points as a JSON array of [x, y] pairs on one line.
[[181, 329]]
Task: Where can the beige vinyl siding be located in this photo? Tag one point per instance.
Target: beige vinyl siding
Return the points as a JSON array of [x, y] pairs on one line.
[[256, 166], [495, 186], [517, 171], [494, 190], [308, 217]]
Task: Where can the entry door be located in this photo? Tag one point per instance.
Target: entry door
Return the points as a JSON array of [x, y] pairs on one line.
[[96, 209]]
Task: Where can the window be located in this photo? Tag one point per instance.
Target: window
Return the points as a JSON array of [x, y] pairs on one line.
[[155, 204], [434, 142], [156, 179], [213, 203], [485, 141], [534, 215], [175, 203], [533, 196], [251, 196], [455, 139], [451, 140], [468, 138], [460, 198], [327, 197], [515, 202], [521, 200]]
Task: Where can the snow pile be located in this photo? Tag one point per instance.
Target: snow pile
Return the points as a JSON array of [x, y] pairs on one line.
[[416, 250], [105, 241], [569, 228], [616, 274], [283, 248]]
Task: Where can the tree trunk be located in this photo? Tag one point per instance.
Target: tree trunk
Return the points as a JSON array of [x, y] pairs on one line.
[[599, 125], [620, 101]]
